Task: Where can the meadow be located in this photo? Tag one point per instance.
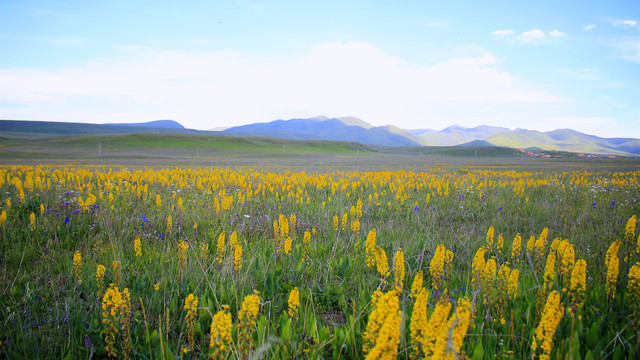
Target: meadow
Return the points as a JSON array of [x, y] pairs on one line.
[[323, 260]]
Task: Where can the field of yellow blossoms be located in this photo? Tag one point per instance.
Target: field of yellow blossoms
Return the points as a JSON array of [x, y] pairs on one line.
[[109, 262]]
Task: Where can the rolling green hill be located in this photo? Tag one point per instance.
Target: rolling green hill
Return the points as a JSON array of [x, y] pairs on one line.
[[166, 145], [35, 129]]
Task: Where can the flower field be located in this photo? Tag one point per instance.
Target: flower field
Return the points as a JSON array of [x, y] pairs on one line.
[[237, 263]]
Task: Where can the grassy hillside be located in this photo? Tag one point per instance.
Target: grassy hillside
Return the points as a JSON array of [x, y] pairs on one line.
[[168, 145], [36, 129], [454, 151]]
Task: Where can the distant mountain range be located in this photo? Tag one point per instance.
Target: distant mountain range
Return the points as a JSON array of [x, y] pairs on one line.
[[156, 123], [354, 129]]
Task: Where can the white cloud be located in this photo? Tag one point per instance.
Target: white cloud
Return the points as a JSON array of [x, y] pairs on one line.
[[556, 33], [589, 27], [531, 36], [627, 24], [502, 34], [205, 90]]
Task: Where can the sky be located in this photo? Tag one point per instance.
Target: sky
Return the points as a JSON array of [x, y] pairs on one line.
[[542, 65]]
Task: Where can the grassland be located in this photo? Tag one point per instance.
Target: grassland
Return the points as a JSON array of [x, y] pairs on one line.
[[322, 219]]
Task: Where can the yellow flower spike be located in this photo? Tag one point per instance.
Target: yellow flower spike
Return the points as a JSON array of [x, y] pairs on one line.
[[382, 264], [293, 302], [382, 334], [633, 295], [516, 247], [100, 270], [419, 321], [478, 265], [398, 270], [137, 247], [287, 245], [436, 329], [191, 306], [416, 286], [32, 221], [221, 339], [490, 236], [247, 322], [551, 316], [220, 248], [437, 267], [156, 286], [77, 266], [237, 257], [578, 285], [370, 247]]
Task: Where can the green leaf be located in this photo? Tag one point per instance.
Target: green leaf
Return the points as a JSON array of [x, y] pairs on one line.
[[478, 352]]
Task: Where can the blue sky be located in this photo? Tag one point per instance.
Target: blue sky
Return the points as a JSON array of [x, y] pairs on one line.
[[414, 64]]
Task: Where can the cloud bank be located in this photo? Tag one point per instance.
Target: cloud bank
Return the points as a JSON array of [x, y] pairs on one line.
[[206, 90]]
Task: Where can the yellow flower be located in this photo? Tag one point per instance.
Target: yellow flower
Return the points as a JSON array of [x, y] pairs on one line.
[[613, 264], [247, 323], [419, 321], [630, 229], [156, 286], [578, 285], [457, 326], [399, 269], [512, 285], [500, 244], [382, 264], [436, 329], [287, 245], [32, 220], [221, 339], [336, 223], [551, 316], [633, 295], [516, 248], [169, 223], [220, 248], [77, 266], [137, 247], [478, 265], [100, 279], [237, 257], [191, 305], [549, 270], [158, 200], [370, 247], [490, 235], [3, 217], [294, 302], [345, 219], [437, 267], [530, 245], [416, 286], [382, 335]]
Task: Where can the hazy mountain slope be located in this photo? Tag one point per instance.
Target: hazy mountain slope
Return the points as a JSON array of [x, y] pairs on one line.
[[456, 135], [322, 128], [156, 123], [561, 139], [29, 129]]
